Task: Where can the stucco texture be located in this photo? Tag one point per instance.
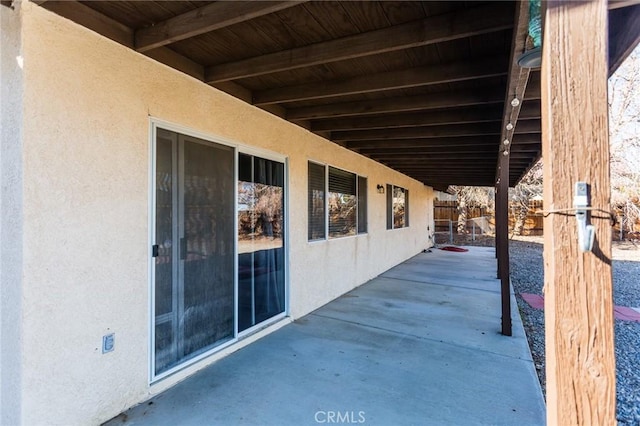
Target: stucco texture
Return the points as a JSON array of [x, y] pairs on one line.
[[88, 104], [11, 85]]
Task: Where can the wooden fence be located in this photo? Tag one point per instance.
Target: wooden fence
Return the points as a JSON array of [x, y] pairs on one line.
[[448, 210], [445, 211]]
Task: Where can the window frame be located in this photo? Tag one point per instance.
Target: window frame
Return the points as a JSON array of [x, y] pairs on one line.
[[390, 204], [358, 179]]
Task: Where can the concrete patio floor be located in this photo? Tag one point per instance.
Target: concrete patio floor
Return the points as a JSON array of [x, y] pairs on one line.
[[418, 345]]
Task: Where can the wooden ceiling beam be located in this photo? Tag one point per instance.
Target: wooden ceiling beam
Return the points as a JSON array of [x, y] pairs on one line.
[[418, 155], [462, 98], [436, 29], [433, 118], [203, 20], [437, 150], [618, 4], [395, 144], [445, 174], [529, 148], [450, 171], [89, 18], [392, 80], [422, 162], [419, 132], [516, 90], [429, 149]]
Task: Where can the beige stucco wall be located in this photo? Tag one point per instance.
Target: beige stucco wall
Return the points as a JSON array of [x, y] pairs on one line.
[[11, 85], [88, 103]]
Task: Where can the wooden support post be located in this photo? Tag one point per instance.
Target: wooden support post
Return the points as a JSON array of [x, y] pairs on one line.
[[502, 242], [580, 357]]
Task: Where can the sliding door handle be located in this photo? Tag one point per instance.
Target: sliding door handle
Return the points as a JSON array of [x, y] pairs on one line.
[[183, 248]]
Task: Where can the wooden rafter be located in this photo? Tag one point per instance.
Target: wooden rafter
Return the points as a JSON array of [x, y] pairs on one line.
[[413, 77], [395, 144], [618, 4], [517, 84], [430, 150], [431, 30], [88, 17], [448, 116], [461, 98], [203, 20], [419, 132], [466, 115]]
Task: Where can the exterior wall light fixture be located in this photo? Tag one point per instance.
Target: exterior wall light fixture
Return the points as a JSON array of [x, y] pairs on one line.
[[380, 189]]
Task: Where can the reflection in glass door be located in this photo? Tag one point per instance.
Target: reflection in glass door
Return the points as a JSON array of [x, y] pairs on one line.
[[261, 277], [194, 248]]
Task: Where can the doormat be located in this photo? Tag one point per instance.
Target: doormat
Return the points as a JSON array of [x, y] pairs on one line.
[[619, 312], [452, 248]]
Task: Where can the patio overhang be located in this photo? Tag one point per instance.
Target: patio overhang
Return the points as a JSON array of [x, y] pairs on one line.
[[422, 87]]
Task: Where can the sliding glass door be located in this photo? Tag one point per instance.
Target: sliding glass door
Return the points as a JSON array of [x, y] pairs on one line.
[[194, 251], [200, 299], [261, 278]]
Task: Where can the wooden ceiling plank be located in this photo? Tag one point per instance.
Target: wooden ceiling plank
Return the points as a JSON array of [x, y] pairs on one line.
[[450, 116], [527, 138], [624, 35], [399, 104], [532, 92], [204, 19], [530, 110], [432, 30], [420, 76], [528, 126]]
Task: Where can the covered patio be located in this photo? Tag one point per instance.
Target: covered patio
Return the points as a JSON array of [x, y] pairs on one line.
[[416, 345], [412, 95]]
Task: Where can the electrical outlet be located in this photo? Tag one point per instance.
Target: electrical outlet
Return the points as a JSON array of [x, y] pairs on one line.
[[108, 342]]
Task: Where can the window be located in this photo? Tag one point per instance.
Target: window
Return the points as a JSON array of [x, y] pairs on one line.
[[362, 205], [397, 207], [342, 203], [340, 210], [261, 274], [316, 202]]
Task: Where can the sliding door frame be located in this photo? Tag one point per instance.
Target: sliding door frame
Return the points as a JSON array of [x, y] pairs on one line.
[[154, 125]]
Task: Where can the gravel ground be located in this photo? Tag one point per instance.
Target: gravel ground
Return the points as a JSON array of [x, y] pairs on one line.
[[527, 277], [526, 267]]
